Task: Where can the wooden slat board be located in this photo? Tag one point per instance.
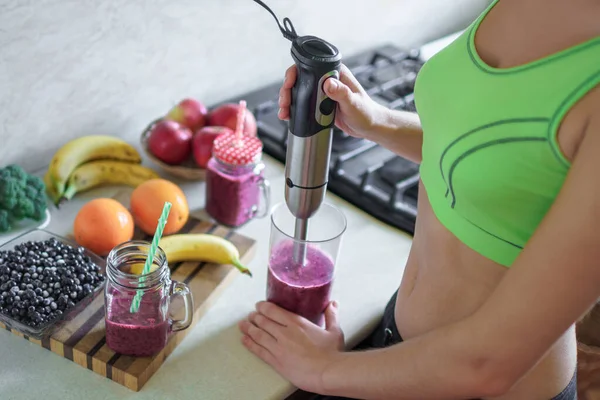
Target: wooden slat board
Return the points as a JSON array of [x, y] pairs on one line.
[[83, 339]]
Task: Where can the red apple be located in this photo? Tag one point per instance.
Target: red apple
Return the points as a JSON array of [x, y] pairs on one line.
[[189, 113], [170, 141], [226, 115], [202, 143]]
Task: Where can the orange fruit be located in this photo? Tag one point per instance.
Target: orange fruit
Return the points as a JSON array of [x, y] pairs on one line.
[[147, 202], [102, 224]]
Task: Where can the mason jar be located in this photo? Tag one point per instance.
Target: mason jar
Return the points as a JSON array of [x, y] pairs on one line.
[[236, 188], [145, 332]]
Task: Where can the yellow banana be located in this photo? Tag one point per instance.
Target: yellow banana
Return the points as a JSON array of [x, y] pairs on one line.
[[138, 268], [97, 173], [202, 247], [50, 189], [88, 148]]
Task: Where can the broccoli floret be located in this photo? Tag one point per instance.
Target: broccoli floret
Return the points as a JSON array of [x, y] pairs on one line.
[[36, 183], [10, 192], [4, 221], [24, 208], [39, 210], [21, 195], [17, 173], [30, 192]]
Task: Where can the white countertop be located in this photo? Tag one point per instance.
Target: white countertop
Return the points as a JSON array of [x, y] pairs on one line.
[[211, 363]]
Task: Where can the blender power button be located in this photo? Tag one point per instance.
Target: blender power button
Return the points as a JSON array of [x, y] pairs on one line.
[[327, 106]]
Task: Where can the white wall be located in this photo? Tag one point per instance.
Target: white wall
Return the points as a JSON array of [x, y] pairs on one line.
[[75, 67]]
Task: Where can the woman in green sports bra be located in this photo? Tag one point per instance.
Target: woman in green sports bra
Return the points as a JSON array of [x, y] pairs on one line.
[[506, 252]]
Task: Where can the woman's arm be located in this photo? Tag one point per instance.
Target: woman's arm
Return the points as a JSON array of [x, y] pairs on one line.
[[360, 116], [552, 284], [398, 131]]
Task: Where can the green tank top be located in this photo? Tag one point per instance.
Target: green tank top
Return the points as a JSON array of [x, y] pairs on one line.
[[491, 163]]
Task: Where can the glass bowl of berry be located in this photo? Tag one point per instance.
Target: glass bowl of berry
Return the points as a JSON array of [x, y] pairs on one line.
[[46, 280]]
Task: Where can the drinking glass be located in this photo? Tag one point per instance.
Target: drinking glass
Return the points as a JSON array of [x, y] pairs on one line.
[[304, 287]]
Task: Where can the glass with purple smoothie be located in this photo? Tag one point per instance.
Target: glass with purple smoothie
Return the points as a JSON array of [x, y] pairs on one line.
[[235, 180], [144, 333], [304, 288]]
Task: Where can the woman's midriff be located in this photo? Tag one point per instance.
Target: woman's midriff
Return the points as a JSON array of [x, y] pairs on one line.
[[445, 281]]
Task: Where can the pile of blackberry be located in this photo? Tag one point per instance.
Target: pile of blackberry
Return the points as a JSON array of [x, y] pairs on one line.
[[40, 281]]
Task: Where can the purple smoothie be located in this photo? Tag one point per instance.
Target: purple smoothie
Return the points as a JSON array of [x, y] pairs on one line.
[[231, 195], [303, 290], [142, 334]]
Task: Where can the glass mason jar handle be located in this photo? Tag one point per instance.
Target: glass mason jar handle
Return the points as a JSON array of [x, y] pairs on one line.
[[181, 289], [265, 189]]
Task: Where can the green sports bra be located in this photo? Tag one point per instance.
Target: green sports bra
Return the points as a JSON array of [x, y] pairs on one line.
[[491, 163]]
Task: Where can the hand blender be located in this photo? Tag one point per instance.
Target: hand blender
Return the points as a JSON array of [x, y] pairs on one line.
[[312, 115]]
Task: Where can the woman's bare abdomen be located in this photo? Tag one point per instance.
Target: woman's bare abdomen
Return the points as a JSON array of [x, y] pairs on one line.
[[445, 281]]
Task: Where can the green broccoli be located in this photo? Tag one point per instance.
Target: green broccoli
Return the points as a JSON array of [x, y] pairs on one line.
[[10, 192], [17, 173], [22, 196], [24, 209], [39, 209], [30, 192], [4, 221], [36, 183]]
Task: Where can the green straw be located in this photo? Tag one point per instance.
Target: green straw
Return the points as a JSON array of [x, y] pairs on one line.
[[135, 304]]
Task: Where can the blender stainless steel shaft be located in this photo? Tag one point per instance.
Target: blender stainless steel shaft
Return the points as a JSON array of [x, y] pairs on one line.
[[312, 115]]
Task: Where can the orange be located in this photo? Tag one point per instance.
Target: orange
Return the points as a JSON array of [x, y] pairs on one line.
[[102, 224], [147, 202]]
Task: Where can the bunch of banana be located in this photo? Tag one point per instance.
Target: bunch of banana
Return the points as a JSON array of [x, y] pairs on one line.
[[92, 161], [96, 173], [202, 247]]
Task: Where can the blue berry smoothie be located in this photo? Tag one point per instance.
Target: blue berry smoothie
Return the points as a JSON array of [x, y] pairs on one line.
[[301, 289], [142, 334], [232, 192]]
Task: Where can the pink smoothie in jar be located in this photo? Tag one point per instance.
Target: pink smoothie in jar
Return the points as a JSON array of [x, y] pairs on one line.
[[142, 334], [235, 180], [301, 289]]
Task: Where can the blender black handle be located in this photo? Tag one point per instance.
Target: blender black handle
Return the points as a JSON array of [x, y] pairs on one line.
[[311, 111]]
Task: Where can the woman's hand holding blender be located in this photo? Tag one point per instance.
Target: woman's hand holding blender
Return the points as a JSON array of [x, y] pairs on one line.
[[360, 116]]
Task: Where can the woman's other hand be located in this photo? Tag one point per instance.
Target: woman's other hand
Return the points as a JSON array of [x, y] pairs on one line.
[[296, 348]]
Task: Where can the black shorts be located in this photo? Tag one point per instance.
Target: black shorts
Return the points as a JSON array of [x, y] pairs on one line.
[[386, 334]]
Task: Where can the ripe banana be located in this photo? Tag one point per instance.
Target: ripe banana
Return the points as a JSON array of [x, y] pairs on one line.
[[96, 173], [202, 247], [88, 148], [50, 189], [138, 268]]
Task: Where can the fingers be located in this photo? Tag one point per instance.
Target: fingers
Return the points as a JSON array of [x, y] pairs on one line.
[[285, 93], [290, 77], [331, 317], [257, 334], [341, 90], [285, 100], [257, 339], [350, 80], [338, 91], [266, 324], [275, 313], [258, 350]]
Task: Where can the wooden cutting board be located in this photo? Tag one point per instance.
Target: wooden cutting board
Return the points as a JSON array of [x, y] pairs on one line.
[[83, 339]]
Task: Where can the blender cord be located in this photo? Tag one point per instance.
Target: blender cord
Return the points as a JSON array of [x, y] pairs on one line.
[[287, 28]]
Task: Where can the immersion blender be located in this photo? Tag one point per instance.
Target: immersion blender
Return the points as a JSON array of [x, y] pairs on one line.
[[312, 115]]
